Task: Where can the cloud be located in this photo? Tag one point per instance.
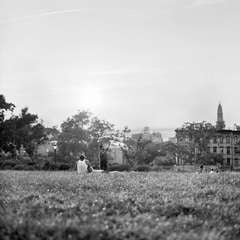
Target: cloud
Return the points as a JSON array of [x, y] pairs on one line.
[[43, 13], [199, 3]]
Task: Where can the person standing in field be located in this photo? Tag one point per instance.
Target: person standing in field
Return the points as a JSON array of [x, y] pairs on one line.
[[103, 159], [83, 165]]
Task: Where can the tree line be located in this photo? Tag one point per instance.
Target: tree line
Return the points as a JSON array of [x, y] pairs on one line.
[[81, 133]]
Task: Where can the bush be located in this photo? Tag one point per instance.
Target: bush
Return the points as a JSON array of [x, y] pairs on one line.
[[55, 166], [142, 168], [119, 167], [49, 166], [63, 166], [20, 167], [162, 168], [8, 164], [163, 161], [156, 168], [25, 159]]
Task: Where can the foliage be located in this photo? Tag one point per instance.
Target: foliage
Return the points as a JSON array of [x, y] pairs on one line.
[[119, 167], [8, 164], [211, 159], [142, 168], [141, 151], [4, 106], [195, 137], [81, 133], [74, 135], [23, 130], [164, 161], [50, 165]]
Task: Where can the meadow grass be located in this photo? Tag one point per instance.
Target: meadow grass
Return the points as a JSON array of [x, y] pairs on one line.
[[131, 205]]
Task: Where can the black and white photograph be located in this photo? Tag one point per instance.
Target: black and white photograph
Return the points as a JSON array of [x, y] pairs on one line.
[[119, 119]]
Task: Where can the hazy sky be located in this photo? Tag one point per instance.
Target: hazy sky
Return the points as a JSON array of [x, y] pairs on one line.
[[131, 62]]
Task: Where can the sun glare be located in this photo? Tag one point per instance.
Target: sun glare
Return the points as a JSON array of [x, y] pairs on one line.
[[91, 97]]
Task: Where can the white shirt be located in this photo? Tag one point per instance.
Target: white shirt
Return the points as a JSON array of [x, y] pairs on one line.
[[82, 166]]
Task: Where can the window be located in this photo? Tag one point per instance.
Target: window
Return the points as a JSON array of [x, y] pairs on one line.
[[215, 140], [236, 150], [221, 150], [228, 139], [228, 161], [214, 149], [236, 162], [221, 139], [228, 150]]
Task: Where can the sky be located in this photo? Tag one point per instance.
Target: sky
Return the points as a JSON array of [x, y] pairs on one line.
[[156, 63]]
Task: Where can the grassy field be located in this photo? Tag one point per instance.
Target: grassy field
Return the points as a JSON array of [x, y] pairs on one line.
[[156, 205]]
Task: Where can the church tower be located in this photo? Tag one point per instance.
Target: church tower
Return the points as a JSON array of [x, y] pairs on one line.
[[220, 122]]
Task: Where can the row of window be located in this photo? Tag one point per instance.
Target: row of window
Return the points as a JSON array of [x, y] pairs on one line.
[[226, 139], [226, 150], [236, 162]]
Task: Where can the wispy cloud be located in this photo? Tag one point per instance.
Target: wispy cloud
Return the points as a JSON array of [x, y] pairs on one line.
[[199, 3], [43, 13], [127, 71]]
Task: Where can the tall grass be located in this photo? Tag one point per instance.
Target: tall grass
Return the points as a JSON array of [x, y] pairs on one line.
[[154, 205]]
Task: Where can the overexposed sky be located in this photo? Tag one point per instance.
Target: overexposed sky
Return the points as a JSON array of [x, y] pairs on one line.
[[131, 62]]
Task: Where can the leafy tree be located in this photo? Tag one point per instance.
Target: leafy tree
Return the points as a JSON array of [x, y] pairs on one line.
[[141, 151], [81, 133], [23, 130], [52, 133], [4, 106], [98, 128], [74, 136], [237, 127], [195, 137], [211, 159]]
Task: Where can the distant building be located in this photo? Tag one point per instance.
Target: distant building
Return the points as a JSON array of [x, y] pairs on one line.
[[50, 143], [225, 142], [46, 148], [157, 137], [148, 135], [172, 140], [116, 153]]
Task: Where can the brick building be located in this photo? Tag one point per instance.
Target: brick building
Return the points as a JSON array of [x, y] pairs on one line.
[[224, 141]]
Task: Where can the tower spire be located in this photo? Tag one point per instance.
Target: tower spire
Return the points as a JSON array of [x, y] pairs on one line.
[[220, 124]]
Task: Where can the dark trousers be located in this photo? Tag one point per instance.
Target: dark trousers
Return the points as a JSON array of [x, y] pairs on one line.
[[103, 164]]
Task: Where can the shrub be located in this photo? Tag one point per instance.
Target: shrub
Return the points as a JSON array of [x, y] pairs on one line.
[[163, 161], [63, 166], [156, 168], [55, 166], [20, 167], [119, 167], [25, 159], [49, 166], [8, 164], [142, 168]]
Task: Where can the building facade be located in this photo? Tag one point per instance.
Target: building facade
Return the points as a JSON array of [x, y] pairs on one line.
[[224, 141]]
